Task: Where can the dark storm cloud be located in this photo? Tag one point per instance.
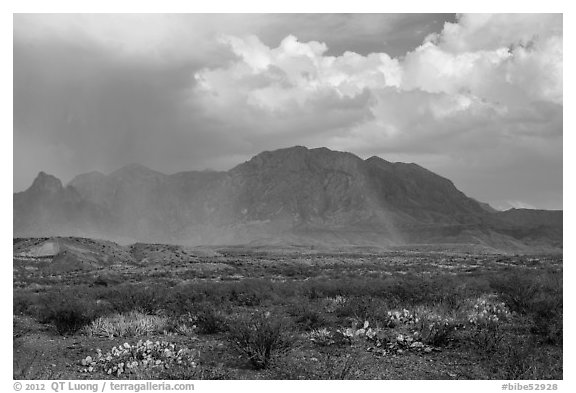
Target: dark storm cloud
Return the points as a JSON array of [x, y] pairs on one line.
[[92, 93], [465, 98]]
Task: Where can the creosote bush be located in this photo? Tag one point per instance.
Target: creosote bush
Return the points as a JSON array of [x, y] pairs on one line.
[[522, 359], [209, 321], [307, 318], [261, 337], [68, 315], [147, 299]]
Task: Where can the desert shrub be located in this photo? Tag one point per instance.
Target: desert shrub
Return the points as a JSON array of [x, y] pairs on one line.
[[131, 324], [538, 296], [522, 359], [487, 337], [436, 333], [22, 303], [547, 309], [434, 328], [325, 337], [312, 293], [362, 308], [322, 337], [250, 292], [208, 321], [67, 314], [410, 290], [182, 324], [67, 318], [406, 290], [485, 316], [349, 287], [180, 301], [307, 318], [143, 298], [453, 299], [547, 318], [260, 338], [517, 291]]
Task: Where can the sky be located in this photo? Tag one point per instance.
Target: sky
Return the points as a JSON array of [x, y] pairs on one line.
[[473, 97]]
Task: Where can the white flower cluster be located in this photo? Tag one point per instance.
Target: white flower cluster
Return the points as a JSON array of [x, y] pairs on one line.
[[403, 316], [377, 337], [333, 303], [486, 310], [126, 358]]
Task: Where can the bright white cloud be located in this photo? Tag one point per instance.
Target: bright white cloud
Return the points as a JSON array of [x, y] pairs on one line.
[[481, 64]]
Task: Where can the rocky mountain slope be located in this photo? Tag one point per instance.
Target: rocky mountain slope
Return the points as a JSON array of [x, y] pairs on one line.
[[288, 196]]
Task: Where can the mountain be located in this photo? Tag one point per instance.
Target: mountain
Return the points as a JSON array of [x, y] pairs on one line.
[[287, 196], [535, 227], [49, 207]]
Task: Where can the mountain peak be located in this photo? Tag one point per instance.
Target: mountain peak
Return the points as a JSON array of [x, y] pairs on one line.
[[135, 169], [46, 183], [378, 161]]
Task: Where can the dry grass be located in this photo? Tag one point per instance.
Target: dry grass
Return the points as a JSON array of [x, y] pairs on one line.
[[131, 324]]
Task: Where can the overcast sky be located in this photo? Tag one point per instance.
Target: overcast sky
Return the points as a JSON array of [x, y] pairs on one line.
[[475, 98]]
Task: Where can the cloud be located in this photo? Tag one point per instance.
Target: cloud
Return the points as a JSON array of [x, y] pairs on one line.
[[487, 85], [518, 205], [488, 32], [470, 97], [487, 82]]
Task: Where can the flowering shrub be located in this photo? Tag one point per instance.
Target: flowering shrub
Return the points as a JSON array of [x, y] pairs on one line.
[[127, 359], [436, 332], [404, 317], [322, 337], [382, 340], [334, 303], [344, 336], [388, 342], [486, 310], [484, 318], [183, 324]]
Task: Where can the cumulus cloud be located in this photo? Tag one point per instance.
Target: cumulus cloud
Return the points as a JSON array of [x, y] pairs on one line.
[[504, 71], [478, 32]]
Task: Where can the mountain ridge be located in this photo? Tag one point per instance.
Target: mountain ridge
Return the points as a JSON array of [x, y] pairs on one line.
[[296, 195]]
